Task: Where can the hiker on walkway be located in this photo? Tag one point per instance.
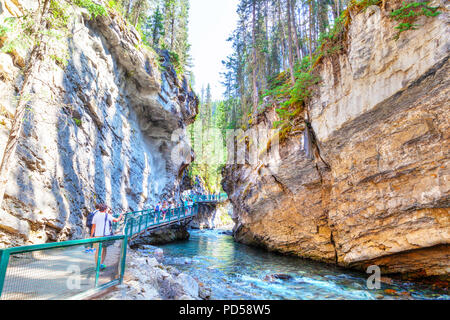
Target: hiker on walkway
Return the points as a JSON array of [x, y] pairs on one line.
[[172, 209], [186, 204], [157, 210], [102, 227], [90, 217], [165, 207], [189, 204]]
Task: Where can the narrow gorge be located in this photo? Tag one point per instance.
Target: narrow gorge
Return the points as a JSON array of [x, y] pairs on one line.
[[376, 191], [317, 149]]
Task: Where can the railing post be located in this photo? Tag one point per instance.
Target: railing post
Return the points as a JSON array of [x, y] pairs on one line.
[[4, 259], [124, 258], [131, 227], [99, 259]]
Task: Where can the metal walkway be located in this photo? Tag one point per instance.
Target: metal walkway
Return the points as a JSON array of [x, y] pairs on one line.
[[138, 223], [73, 269]]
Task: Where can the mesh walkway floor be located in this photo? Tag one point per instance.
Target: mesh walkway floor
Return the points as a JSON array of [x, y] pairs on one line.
[[57, 274]]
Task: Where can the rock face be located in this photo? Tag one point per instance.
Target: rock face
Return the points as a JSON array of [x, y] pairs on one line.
[[213, 216], [162, 236], [101, 128], [379, 193]]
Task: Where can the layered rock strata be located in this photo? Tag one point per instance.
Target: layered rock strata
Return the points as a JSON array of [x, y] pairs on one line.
[[377, 191], [102, 125]]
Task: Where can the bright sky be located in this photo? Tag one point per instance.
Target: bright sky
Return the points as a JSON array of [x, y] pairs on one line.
[[211, 22]]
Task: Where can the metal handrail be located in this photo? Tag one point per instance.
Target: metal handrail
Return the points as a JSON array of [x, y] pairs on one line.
[[153, 219], [150, 212], [209, 197], [134, 223], [5, 261]]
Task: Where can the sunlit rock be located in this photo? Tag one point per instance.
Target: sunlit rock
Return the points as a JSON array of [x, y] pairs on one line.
[[96, 130], [378, 191]]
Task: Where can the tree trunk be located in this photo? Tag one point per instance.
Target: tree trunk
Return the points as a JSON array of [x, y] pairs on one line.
[[335, 10], [31, 68], [136, 14], [172, 37], [297, 48], [129, 9], [255, 88], [267, 73], [291, 55], [323, 16], [310, 31], [283, 37]]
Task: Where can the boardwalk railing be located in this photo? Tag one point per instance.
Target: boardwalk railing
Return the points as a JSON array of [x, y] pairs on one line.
[[74, 269], [138, 221], [62, 270], [209, 197], [141, 221]]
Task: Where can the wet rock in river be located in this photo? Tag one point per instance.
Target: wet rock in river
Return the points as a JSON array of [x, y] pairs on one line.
[[180, 261], [273, 277], [204, 293], [147, 279]]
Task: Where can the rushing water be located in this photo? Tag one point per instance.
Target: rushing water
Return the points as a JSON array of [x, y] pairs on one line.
[[235, 271]]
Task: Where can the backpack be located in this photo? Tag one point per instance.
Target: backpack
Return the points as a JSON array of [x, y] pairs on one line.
[[90, 217], [110, 226]]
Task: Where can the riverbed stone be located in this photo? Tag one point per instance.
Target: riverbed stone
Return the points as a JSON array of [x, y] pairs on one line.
[[147, 279], [205, 293], [190, 285]]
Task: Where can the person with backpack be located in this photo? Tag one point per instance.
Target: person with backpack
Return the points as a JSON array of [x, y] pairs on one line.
[[102, 227], [157, 209], [90, 217], [165, 209]]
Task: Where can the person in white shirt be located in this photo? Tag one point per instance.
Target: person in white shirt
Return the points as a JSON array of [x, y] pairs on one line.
[[102, 227]]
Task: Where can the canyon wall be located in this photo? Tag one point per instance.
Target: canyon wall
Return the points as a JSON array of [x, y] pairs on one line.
[[100, 127], [377, 191], [213, 216]]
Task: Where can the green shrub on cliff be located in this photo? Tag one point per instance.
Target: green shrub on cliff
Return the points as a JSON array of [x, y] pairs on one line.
[[94, 9], [409, 12], [15, 35], [59, 16]]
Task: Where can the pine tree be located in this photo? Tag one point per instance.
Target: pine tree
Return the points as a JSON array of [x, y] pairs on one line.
[[156, 26]]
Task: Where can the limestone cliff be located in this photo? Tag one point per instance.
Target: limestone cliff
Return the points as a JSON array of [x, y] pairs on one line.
[[378, 190], [100, 127], [213, 216]]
